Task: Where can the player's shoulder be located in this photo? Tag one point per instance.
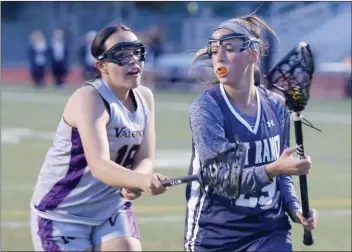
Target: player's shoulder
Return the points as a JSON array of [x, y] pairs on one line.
[[145, 91], [147, 94], [274, 97], [278, 98], [277, 102], [84, 101], [85, 94], [206, 102]]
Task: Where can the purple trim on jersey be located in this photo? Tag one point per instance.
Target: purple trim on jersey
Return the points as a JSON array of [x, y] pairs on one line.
[[74, 174], [132, 221], [45, 231]]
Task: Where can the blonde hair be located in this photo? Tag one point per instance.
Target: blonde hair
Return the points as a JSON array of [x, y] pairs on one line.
[[252, 23]]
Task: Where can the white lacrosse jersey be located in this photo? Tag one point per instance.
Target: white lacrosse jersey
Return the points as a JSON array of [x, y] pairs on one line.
[[66, 190]]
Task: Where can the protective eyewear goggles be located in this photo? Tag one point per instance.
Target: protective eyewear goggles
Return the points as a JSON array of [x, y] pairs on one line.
[[122, 53], [214, 44]]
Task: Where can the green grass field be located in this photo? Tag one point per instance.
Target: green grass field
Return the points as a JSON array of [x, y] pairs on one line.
[[28, 116]]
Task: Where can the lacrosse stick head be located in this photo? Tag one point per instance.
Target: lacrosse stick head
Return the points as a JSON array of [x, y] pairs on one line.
[[293, 76], [223, 173]]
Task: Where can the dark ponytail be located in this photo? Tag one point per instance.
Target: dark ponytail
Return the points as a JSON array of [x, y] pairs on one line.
[[98, 45]]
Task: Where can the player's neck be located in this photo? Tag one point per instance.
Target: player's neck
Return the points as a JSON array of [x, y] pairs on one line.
[[242, 94], [121, 93]]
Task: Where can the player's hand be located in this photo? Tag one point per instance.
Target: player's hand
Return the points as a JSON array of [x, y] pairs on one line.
[[310, 223], [130, 194], [152, 184], [286, 164]]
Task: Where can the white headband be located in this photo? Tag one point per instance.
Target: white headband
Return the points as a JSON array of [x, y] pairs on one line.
[[235, 27], [238, 28]]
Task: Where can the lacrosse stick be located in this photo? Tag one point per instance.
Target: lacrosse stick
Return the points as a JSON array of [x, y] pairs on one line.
[[221, 173], [293, 76]]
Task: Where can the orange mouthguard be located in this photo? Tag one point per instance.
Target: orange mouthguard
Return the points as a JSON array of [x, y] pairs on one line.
[[221, 70]]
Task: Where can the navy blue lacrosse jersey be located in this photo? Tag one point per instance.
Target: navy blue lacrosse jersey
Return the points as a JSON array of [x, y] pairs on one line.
[[212, 222]]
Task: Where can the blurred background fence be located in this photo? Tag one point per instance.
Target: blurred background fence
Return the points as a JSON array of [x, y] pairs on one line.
[[173, 31]]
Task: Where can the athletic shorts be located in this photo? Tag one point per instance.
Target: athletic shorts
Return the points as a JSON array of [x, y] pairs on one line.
[[273, 242], [50, 235], [277, 241]]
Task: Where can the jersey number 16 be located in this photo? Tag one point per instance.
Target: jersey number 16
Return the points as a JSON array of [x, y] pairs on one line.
[[125, 155]]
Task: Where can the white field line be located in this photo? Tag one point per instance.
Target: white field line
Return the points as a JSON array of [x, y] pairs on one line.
[[162, 106], [16, 135], [172, 219]]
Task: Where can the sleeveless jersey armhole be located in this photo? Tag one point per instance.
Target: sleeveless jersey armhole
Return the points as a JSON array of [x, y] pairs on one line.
[[107, 106], [134, 99]]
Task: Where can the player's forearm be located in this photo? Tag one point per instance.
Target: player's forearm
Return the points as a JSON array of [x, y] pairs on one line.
[[253, 179], [287, 189], [144, 166], [115, 175], [272, 170], [250, 180]]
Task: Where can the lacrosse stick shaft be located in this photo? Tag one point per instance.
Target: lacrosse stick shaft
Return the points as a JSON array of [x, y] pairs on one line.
[[307, 237], [180, 180]]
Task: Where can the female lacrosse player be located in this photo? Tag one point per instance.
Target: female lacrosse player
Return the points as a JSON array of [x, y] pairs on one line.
[[234, 107], [105, 141]]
